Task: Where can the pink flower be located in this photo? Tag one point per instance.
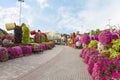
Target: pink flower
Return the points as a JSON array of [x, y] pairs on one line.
[[105, 37], [85, 39]]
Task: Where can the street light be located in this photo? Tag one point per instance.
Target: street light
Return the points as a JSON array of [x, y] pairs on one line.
[[20, 11]]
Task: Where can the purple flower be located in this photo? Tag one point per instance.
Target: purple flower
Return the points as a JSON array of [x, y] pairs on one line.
[[18, 51], [85, 39], [3, 54], [114, 36], [105, 37], [27, 50], [94, 37], [11, 53]]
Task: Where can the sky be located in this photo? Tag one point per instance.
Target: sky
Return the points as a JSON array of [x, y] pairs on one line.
[[64, 16]]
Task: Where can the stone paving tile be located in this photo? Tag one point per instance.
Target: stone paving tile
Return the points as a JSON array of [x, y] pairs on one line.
[[20, 66], [66, 66]]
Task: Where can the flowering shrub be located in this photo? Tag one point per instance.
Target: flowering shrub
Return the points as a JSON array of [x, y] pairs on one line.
[[83, 52], [102, 70], [93, 59], [11, 53], [85, 39], [115, 36], [94, 37], [36, 48], [43, 46], [105, 37], [18, 51], [115, 68], [3, 54], [27, 50]]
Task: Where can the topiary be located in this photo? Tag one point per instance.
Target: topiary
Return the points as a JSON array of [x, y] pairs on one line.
[[18, 34], [43, 38], [25, 34]]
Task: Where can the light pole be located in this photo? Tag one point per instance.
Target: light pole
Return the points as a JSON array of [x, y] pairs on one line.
[[20, 11]]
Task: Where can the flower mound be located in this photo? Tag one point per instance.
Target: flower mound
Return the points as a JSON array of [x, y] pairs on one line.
[[105, 37], [27, 50], [85, 39], [18, 51], [94, 37], [3, 54]]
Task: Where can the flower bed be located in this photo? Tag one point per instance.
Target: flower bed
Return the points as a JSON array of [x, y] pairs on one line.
[[19, 50], [3, 54], [27, 50], [101, 67], [103, 63]]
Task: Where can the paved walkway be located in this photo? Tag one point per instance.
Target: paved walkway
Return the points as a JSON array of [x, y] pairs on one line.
[[60, 63], [65, 66]]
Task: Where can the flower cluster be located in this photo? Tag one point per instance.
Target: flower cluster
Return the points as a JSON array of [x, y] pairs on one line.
[[27, 50], [85, 39], [3, 54], [105, 37], [94, 37], [16, 51]]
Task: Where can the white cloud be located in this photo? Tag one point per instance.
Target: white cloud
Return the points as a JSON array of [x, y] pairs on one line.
[[11, 15], [69, 21], [43, 4], [95, 15], [8, 15], [23, 5], [26, 6]]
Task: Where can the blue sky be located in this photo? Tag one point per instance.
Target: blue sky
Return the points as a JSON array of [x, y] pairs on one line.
[[64, 16]]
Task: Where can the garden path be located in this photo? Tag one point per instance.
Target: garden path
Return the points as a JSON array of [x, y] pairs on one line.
[[60, 63]]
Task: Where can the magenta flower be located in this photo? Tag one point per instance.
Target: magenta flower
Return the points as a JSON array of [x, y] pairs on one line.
[[94, 37], [11, 53], [105, 37], [27, 50], [18, 51], [85, 39], [3, 54]]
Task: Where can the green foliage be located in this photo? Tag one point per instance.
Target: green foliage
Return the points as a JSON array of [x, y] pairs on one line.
[[116, 45], [93, 44], [97, 31], [34, 44], [1, 33], [25, 34], [69, 41], [43, 38], [115, 50], [113, 53]]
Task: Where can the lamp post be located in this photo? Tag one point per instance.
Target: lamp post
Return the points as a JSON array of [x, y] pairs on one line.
[[20, 11]]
